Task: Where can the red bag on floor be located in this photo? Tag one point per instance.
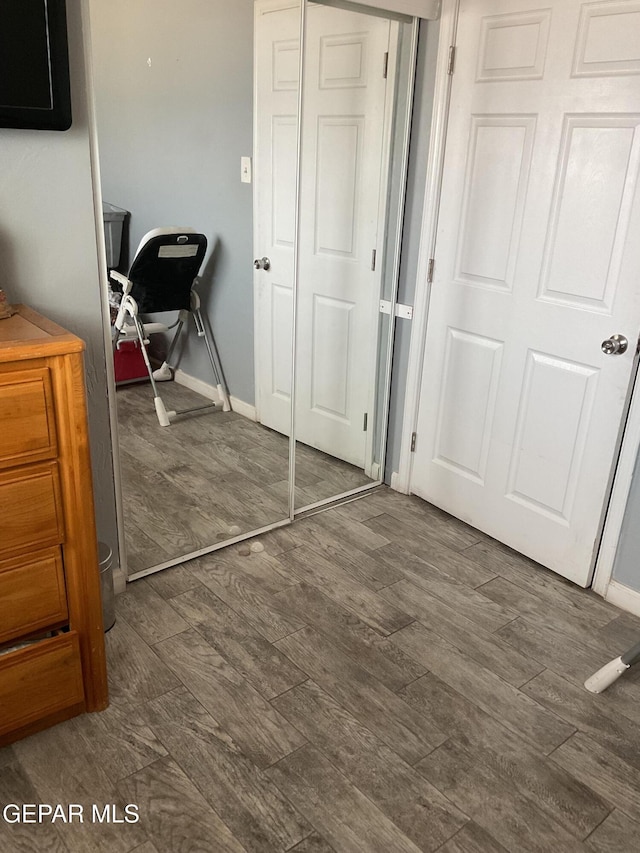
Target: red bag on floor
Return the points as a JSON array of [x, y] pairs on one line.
[[128, 362]]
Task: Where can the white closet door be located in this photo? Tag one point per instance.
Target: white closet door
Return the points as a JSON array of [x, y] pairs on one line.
[[343, 176], [345, 150], [537, 263]]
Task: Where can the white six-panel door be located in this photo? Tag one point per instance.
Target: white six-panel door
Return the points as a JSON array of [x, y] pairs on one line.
[[343, 181], [537, 263], [342, 196]]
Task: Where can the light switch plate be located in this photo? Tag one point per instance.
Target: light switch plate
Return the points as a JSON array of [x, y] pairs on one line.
[[245, 170]]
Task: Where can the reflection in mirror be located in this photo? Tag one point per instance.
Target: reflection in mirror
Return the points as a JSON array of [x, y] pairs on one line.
[[357, 77], [174, 89]]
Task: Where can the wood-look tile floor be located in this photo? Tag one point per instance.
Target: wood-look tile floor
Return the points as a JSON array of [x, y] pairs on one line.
[[209, 476], [379, 678]]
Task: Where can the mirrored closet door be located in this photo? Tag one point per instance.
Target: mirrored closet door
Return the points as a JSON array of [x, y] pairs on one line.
[[203, 122], [358, 69], [174, 93]]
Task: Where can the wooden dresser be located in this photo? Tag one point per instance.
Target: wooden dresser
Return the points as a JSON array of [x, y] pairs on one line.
[[49, 576]]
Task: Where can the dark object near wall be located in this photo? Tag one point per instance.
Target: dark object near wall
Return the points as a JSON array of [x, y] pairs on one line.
[[34, 65]]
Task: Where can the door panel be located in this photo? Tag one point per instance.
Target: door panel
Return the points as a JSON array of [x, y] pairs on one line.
[[535, 266], [467, 405], [345, 141]]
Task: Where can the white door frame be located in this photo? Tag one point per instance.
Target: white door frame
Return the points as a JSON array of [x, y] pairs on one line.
[[448, 23], [619, 495], [615, 504]]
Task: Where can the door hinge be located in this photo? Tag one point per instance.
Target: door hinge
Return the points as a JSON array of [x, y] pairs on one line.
[[373, 260], [365, 423], [413, 441], [385, 67], [432, 263], [452, 59]]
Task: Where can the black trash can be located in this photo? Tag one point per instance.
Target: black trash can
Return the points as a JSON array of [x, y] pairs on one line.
[[113, 218]]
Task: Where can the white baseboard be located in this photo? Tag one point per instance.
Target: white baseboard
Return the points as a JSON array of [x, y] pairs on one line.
[[623, 597], [210, 391], [244, 409], [194, 384], [397, 484]]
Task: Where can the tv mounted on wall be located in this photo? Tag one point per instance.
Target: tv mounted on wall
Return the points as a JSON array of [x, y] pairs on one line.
[[34, 65]]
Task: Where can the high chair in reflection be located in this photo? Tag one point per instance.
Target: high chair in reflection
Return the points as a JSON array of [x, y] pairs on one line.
[[163, 277]]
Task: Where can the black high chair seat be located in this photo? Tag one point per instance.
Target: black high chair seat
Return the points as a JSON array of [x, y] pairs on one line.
[[164, 268]]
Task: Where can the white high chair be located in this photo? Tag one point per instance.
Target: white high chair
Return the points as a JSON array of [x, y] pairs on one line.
[[163, 277]]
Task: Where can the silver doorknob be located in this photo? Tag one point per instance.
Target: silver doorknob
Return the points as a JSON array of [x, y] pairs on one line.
[[262, 264], [615, 345]]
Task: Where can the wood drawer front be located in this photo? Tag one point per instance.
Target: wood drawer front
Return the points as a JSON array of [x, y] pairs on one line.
[[40, 680], [32, 594], [27, 417], [30, 508]]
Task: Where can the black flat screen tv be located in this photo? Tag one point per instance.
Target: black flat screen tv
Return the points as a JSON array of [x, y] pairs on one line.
[[34, 65]]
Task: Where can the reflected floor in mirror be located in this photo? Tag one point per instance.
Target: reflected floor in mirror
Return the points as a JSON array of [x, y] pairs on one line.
[[208, 477]]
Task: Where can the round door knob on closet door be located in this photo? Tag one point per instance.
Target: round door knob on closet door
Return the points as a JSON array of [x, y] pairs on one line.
[[615, 345], [262, 264]]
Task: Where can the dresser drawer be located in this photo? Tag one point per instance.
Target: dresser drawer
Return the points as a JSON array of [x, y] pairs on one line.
[[32, 594], [30, 514], [40, 680], [27, 418]]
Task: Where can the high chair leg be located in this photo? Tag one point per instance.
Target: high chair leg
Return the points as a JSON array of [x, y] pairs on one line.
[[214, 358], [164, 417]]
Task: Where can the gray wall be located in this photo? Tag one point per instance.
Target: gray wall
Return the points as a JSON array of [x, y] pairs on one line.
[[421, 128], [626, 568], [48, 250], [171, 135]]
